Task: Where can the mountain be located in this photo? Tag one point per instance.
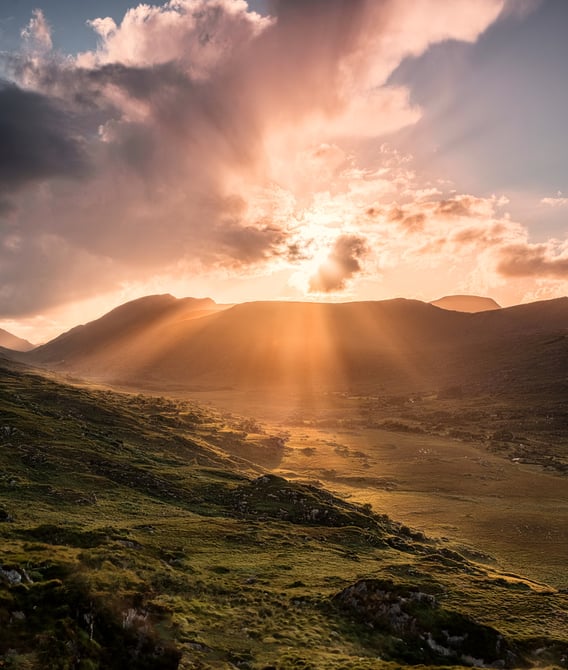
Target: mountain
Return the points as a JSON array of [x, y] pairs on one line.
[[162, 341], [119, 332], [9, 341], [466, 303], [249, 344]]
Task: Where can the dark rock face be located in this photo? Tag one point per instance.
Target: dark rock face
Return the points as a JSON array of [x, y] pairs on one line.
[[424, 632]]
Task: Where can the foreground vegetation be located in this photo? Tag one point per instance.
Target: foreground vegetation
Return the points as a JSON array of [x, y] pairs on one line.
[[143, 532]]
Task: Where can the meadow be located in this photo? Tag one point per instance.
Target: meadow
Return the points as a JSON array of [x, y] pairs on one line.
[[146, 532]]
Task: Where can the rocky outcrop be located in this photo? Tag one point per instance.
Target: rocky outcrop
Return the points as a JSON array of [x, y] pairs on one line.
[[422, 631], [273, 497]]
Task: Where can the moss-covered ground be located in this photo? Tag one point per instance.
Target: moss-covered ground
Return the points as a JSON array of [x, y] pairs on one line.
[[136, 532]]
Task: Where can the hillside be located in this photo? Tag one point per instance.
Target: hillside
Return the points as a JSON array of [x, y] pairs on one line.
[[9, 341], [305, 347], [142, 532], [121, 328], [466, 303]]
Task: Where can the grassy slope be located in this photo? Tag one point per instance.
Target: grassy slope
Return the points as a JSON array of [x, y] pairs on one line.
[[133, 533]]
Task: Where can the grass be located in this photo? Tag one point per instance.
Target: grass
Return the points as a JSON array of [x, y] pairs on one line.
[[434, 462], [135, 532]]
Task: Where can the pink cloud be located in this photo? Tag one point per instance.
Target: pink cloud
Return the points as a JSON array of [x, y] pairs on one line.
[[557, 201], [533, 260], [37, 34], [195, 34], [192, 121]]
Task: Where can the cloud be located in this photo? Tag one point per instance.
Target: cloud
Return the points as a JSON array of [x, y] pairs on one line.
[[251, 244], [557, 201], [534, 260], [342, 264], [204, 137], [469, 242], [47, 259], [37, 34], [461, 206], [37, 139], [520, 8], [196, 35]]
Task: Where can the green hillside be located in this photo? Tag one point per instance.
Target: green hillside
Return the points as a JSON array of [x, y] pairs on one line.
[[143, 532]]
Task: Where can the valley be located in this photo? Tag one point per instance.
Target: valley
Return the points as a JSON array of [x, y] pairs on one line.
[[283, 335], [449, 467], [303, 520]]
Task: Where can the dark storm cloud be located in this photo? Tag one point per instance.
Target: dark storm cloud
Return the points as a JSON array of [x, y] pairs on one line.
[[36, 139]]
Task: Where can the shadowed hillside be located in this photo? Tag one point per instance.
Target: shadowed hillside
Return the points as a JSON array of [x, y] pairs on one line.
[[130, 333], [306, 346]]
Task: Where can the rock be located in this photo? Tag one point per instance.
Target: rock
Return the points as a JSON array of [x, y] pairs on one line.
[[11, 576], [133, 618], [426, 632]]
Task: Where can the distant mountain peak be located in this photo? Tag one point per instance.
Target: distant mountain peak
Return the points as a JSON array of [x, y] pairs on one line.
[[125, 324], [160, 300], [466, 303], [13, 342]]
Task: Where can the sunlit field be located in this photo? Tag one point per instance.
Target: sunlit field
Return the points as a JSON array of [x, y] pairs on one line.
[[471, 489]]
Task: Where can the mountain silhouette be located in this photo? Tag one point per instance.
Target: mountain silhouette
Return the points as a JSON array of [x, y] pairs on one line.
[[9, 341], [161, 341], [466, 303]]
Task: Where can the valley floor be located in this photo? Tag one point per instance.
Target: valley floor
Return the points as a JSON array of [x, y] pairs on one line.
[[489, 474]]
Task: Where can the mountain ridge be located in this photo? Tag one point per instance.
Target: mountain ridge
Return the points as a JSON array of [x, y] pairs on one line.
[[123, 321], [13, 342], [191, 342], [466, 303]]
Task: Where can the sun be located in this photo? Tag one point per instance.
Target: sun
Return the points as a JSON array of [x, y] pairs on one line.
[[314, 238]]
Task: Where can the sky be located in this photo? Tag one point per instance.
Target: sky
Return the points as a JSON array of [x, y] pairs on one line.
[[325, 150]]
